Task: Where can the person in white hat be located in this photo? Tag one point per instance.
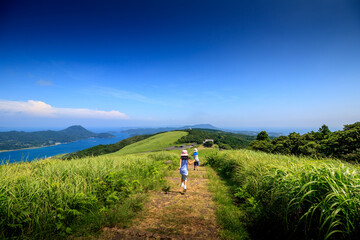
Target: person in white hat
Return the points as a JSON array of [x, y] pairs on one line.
[[196, 158], [184, 170]]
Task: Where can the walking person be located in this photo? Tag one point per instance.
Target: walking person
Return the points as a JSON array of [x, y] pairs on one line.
[[184, 169], [196, 158]]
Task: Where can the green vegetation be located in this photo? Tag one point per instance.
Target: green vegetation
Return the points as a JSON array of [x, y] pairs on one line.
[[156, 142], [227, 214], [287, 197], [224, 140], [53, 198], [343, 144], [263, 136], [277, 196], [105, 149], [208, 144], [17, 140], [50, 199]]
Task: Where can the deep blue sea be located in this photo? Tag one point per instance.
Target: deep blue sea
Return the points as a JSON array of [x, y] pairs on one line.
[[31, 154]]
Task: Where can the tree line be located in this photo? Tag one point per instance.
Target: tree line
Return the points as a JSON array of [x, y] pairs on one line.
[[224, 140], [343, 144]]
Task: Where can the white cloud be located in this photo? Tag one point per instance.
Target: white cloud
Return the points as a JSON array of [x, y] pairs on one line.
[[121, 94], [44, 83], [41, 109]]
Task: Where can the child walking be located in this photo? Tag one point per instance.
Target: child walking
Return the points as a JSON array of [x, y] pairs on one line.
[[196, 158], [184, 171]]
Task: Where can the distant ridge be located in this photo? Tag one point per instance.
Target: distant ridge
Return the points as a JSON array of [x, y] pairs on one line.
[[255, 133], [142, 131], [18, 139], [204, 126]]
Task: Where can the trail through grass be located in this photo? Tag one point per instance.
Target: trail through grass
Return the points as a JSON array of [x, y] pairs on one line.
[[174, 215], [277, 197], [229, 216]]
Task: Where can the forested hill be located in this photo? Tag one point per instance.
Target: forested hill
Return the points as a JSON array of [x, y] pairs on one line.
[[225, 140], [18, 139]]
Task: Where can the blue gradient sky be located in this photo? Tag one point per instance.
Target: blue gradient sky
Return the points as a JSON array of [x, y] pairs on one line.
[[241, 64]]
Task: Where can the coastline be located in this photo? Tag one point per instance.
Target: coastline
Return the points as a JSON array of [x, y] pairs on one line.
[[58, 143], [29, 148], [31, 153]]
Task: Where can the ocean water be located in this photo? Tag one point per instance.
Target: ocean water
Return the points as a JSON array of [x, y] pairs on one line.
[[36, 153]]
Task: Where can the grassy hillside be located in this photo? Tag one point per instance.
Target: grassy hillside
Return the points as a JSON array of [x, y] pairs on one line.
[[51, 199], [156, 142], [288, 197], [105, 149]]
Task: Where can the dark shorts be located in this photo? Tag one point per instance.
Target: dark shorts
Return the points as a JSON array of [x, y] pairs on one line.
[[196, 163]]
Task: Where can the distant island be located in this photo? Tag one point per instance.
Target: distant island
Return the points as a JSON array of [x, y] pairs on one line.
[[15, 140], [142, 131]]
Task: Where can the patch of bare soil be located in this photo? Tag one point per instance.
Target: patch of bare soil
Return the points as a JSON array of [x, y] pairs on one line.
[[175, 215]]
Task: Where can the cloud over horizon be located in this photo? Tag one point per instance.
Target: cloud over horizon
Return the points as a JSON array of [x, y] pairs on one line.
[[42, 109]]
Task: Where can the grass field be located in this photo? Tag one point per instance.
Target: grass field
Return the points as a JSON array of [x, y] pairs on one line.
[[156, 142], [289, 197], [49, 199], [53, 198], [286, 197]]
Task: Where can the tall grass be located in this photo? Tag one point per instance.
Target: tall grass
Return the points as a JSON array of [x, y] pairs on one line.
[[50, 199], [287, 197], [227, 214]]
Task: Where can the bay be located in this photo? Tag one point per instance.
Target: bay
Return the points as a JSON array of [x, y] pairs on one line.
[[43, 152]]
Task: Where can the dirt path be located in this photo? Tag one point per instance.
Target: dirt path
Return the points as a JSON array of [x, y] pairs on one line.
[[175, 215]]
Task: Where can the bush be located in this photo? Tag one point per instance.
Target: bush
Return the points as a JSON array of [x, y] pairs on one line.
[[262, 145]]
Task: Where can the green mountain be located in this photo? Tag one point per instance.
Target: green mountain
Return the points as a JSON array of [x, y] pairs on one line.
[[18, 139]]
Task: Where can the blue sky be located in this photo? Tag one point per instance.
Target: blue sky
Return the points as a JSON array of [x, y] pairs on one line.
[[237, 64]]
